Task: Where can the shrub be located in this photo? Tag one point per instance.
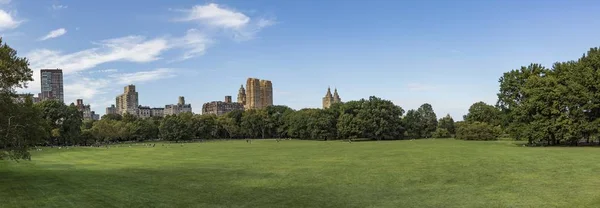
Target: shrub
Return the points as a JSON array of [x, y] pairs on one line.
[[477, 131], [441, 133]]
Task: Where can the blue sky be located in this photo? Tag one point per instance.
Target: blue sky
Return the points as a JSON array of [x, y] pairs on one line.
[[446, 53]]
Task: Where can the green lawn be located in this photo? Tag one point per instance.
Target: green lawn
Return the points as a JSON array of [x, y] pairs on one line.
[[420, 173]]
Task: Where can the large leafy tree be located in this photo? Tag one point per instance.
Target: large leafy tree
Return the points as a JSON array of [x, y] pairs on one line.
[[255, 123], [447, 123], [413, 124], [18, 121], [553, 106], [511, 96], [483, 112], [382, 119], [64, 122], [175, 128], [428, 120]]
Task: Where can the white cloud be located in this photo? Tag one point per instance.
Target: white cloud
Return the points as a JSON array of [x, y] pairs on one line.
[[214, 15], [7, 21], [54, 34], [194, 43], [107, 70], [99, 90], [59, 6], [130, 48], [143, 76], [239, 25], [78, 87]]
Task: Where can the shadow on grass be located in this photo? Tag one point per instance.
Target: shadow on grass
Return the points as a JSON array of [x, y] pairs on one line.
[[181, 187], [525, 144]]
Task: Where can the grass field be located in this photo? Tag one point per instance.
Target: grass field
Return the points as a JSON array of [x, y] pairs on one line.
[[420, 173]]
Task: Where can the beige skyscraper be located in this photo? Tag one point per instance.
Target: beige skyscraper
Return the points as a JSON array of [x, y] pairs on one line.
[[128, 101], [259, 93], [266, 93]]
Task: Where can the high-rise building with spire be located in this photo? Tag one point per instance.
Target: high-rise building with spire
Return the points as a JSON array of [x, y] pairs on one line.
[[336, 97], [241, 97], [330, 99]]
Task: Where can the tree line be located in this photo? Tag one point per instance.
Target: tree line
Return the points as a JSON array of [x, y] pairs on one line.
[[543, 106], [24, 125], [553, 106]]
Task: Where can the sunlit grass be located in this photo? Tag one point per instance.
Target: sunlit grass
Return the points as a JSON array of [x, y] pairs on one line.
[[291, 173]]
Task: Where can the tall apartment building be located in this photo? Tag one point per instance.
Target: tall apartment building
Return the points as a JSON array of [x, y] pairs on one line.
[[259, 94], [157, 112], [86, 110], [147, 112], [266, 93], [52, 85], [128, 101], [329, 99], [111, 110], [178, 108], [219, 108]]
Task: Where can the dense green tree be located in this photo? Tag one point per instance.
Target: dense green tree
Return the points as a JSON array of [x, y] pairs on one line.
[[511, 96], [276, 120], [413, 124], [129, 118], [175, 128], [255, 123], [382, 119], [116, 117], [482, 112], [24, 127], [145, 129], [447, 123], [428, 120], [106, 130], [64, 122], [19, 122], [553, 106], [349, 127], [477, 131], [229, 127], [205, 126], [441, 133]]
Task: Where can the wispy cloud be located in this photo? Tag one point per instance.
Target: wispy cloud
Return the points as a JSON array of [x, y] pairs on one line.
[[131, 49], [79, 87], [143, 76], [194, 43], [59, 6], [218, 16], [5, 1], [214, 16], [96, 90], [108, 70], [54, 34], [8, 21], [211, 22], [135, 49]]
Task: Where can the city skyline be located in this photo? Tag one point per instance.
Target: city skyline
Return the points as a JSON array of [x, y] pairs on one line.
[[448, 54]]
